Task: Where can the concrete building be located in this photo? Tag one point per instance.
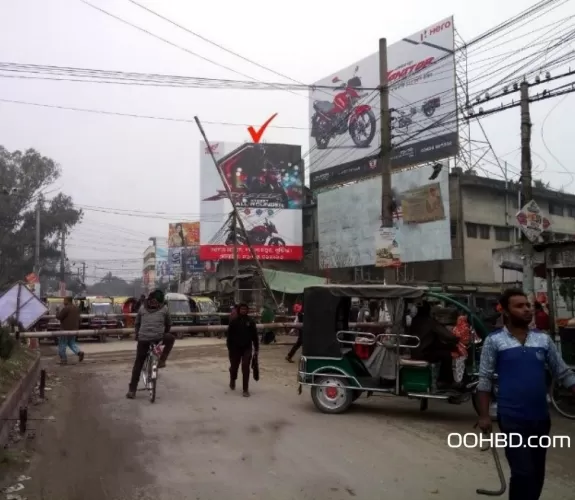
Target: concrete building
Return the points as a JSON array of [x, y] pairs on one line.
[[482, 220]]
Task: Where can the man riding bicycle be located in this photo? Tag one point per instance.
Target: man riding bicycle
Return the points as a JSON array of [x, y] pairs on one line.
[[153, 324]]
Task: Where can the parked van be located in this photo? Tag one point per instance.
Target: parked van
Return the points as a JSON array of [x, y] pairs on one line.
[[179, 307]]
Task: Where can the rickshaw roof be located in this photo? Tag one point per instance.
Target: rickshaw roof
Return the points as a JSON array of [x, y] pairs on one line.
[[367, 291]]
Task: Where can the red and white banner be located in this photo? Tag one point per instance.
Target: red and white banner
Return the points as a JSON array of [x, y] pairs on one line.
[[223, 252], [267, 184]]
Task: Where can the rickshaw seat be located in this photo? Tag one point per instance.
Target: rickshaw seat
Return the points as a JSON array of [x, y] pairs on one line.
[[413, 362]]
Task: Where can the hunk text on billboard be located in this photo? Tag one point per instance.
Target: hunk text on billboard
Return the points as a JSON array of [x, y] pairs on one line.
[[401, 73]]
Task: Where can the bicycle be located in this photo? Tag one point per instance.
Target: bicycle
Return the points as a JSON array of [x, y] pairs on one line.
[[150, 368]]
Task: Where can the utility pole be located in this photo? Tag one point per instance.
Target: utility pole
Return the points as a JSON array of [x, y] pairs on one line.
[[236, 261], [37, 249], [62, 259], [526, 189], [83, 273], [385, 124]]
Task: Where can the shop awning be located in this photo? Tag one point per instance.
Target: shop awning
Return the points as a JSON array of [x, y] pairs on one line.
[[291, 283]]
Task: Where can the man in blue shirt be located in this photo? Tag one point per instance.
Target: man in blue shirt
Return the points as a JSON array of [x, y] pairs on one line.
[[520, 357]]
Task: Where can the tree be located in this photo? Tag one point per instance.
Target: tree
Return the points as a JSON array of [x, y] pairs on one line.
[[112, 286], [23, 178]]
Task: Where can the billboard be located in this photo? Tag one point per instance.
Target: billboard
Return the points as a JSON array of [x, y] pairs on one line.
[[349, 220], [183, 234], [188, 256], [345, 130], [266, 182], [162, 265]]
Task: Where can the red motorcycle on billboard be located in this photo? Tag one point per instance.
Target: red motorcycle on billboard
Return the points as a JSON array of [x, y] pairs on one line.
[[258, 235], [345, 114]]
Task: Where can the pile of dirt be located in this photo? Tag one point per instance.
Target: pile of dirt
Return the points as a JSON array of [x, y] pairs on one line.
[[13, 369]]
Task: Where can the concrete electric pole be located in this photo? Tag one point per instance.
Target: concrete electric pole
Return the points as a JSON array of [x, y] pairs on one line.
[[526, 189], [385, 158], [62, 261], [37, 249]]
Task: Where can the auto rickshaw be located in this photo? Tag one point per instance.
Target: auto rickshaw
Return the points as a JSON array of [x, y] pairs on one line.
[[207, 308], [101, 310], [330, 364]]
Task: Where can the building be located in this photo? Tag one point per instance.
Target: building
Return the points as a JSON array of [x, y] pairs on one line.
[[149, 268], [482, 220], [149, 263]]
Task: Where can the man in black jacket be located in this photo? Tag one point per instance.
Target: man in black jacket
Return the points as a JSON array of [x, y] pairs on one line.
[[242, 334]]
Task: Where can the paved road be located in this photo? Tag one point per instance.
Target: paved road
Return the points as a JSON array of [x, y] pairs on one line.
[[202, 441]]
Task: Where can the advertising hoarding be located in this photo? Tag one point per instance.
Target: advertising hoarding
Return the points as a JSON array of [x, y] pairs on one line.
[[162, 265], [349, 220], [266, 182], [188, 256], [183, 234], [345, 130]]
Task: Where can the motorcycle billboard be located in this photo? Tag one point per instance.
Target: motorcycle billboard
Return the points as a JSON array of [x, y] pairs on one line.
[[266, 183], [349, 221], [344, 118]]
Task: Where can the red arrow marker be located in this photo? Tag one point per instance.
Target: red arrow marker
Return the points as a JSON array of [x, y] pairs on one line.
[[257, 136]]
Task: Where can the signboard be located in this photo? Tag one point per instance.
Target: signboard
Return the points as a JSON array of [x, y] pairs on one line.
[[421, 80], [266, 183], [350, 217], [532, 222], [21, 303], [423, 204], [387, 252]]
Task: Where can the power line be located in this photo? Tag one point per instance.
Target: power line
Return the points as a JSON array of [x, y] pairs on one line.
[[225, 49], [180, 47], [133, 115]]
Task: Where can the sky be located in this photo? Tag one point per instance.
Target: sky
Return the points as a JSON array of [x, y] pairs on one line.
[[113, 164]]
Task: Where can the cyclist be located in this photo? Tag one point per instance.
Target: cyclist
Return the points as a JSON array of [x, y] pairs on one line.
[[153, 324]]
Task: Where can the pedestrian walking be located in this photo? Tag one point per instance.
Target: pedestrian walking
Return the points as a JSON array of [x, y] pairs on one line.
[[69, 317], [152, 324], [241, 337], [299, 341], [520, 357]]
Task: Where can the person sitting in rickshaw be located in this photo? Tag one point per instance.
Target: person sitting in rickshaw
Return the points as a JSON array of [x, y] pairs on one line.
[[436, 342]]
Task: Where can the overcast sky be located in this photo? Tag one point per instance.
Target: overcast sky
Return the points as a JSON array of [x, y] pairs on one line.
[[150, 165]]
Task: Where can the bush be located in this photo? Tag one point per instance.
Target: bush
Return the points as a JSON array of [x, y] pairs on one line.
[[7, 343]]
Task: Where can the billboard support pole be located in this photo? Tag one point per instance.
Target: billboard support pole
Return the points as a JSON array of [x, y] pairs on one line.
[[385, 125], [236, 261], [237, 218]]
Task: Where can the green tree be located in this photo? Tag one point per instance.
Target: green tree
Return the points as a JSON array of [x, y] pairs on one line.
[[24, 176], [112, 286]]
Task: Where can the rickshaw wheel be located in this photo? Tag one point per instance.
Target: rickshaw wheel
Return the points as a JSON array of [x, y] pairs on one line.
[[331, 396], [563, 400]]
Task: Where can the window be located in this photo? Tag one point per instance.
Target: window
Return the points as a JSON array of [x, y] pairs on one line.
[[471, 230], [571, 211], [555, 209], [453, 229], [484, 231], [503, 233]]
